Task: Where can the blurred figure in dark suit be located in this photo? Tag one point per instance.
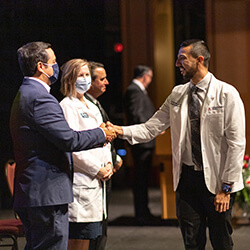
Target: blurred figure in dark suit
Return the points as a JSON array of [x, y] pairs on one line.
[[139, 109]]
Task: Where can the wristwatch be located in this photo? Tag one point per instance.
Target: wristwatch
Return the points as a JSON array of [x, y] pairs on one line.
[[226, 188]]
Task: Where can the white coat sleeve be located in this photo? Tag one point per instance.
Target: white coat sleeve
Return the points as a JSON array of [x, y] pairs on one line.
[[147, 131], [235, 136]]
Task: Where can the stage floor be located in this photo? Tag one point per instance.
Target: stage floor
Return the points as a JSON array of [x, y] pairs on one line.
[[123, 234]]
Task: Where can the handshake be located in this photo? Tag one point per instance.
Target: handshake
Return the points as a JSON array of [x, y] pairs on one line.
[[111, 131]]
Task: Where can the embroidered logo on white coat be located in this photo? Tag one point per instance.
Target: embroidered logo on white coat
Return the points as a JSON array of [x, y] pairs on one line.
[[84, 115]]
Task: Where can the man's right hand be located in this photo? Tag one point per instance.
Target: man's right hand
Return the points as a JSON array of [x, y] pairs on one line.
[[118, 129], [109, 132], [118, 165]]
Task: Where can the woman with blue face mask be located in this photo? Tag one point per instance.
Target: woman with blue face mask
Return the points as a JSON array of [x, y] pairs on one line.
[[91, 167]]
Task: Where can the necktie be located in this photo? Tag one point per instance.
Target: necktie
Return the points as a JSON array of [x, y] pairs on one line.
[[105, 118], [104, 115], [102, 111], [194, 115]]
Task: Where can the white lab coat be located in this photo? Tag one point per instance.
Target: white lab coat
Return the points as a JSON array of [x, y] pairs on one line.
[[222, 133], [89, 196]]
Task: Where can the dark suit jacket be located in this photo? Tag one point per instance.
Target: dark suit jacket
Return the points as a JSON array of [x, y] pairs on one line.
[[42, 141], [138, 108]]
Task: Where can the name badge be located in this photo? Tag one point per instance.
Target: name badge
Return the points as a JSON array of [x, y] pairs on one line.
[[84, 115]]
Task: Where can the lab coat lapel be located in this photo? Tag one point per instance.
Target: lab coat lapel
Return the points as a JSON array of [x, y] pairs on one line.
[[184, 116], [208, 99]]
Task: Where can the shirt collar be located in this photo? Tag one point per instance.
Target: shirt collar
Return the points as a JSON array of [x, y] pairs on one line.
[[139, 84], [203, 83], [45, 85]]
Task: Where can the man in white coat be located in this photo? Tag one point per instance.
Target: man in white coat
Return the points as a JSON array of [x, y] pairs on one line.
[[205, 188]]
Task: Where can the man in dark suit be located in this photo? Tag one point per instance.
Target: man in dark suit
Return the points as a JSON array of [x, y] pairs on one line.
[[139, 109], [97, 88], [42, 141]]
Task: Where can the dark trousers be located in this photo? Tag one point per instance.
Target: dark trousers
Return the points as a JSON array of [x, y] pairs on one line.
[[100, 242], [142, 158], [45, 227], [196, 210]]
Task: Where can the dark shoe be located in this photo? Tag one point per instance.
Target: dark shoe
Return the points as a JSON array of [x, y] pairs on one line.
[[149, 220]]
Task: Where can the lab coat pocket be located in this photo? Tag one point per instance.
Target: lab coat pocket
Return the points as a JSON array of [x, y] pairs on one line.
[[87, 205], [85, 195], [215, 117]]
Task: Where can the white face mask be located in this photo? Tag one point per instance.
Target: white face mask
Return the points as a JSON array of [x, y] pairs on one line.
[[83, 84]]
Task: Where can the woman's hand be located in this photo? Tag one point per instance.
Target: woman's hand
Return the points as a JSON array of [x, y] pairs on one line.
[[106, 172]]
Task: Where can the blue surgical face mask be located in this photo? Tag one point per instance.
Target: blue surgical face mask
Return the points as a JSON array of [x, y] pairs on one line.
[[83, 84], [55, 75]]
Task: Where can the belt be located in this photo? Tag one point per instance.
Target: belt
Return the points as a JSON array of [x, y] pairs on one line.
[[192, 167]]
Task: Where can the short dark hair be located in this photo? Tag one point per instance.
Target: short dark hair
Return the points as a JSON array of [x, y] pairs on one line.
[[30, 54], [92, 67], [199, 48], [141, 70]]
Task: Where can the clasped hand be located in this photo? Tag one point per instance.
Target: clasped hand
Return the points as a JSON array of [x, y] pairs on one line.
[[106, 172], [111, 131]]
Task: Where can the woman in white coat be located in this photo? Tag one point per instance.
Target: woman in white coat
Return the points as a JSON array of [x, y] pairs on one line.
[[91, 167]]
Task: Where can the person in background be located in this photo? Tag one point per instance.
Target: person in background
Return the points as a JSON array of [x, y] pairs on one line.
[[97, 88], [91, 167], [42, 141], [207, 121], [138, 109]]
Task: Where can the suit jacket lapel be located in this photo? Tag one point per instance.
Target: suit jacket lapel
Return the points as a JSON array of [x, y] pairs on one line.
[[98, 104]]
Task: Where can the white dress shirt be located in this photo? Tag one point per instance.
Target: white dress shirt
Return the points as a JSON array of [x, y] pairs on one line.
[[141, 86], [45, 85]]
